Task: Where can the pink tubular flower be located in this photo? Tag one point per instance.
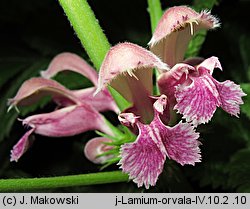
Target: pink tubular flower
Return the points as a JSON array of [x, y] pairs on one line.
[[193, 92], [128, 68], [175, 29], [96, 147], [191, 89], [78, 112], [67, 121], [72, 62]]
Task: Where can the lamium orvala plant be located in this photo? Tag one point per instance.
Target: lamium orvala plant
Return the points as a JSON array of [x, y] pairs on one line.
[[153, 127]]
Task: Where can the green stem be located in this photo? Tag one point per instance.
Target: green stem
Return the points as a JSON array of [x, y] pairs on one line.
[[155, 12], [87, 29], [29, 184], [91, 35]]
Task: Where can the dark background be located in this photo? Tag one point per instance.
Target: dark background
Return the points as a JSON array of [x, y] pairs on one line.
[[33, 32]]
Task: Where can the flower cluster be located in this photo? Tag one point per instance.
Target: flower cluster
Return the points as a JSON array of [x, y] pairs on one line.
[[77, 111], [186, 86]]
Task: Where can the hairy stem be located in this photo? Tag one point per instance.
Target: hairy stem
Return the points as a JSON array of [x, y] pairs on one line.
[[155, 13], [32, 184], [87, 29], [91, 35]]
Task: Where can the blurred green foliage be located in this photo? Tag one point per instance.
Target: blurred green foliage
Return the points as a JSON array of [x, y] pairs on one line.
[[32, 32]]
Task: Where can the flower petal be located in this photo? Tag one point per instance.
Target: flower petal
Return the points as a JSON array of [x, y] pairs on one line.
[[168, 81], [28, 92], [209, 64], [22, 146], [101, 102], [125, 58], [128, 69], [95, 147], [182, 144], [144, 159], [180, 141], [198, 101], [68, 121], [72, 62], [175, 29], [230, 96]]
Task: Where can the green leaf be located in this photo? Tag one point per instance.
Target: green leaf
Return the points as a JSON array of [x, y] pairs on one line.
[[8, 70], [213, 174], [239, 170], [245, 108], [221, 138], [13, 61]]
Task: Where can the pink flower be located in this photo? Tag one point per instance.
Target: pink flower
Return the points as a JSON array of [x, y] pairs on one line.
[[78, 110], [144, 159], [187, 87], [191, 89], [175, 29], [72, 62], [194, 93], [128, 68]]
